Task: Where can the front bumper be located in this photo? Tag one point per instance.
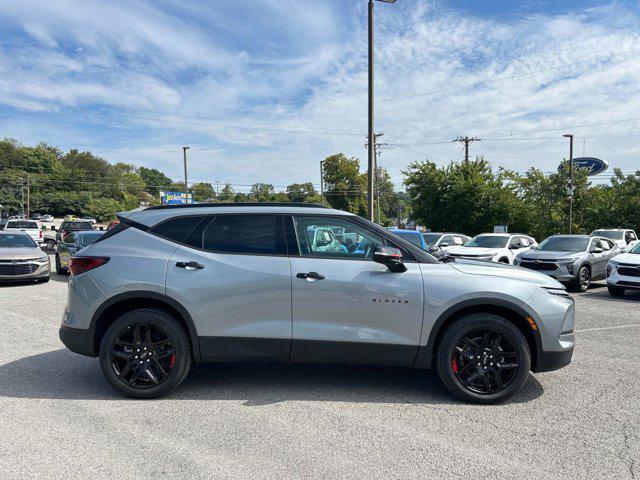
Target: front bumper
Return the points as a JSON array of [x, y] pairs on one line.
[[615, 279], [549, 361], [560, 272], [18, 271]]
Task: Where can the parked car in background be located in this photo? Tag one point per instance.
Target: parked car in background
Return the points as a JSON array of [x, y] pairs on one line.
[[36, 216], [69, 226], [16, 217], [30, 227], [436, 243], [69, 218], [493, 247], [113, 224], [72, 244], [575, 260], [87, 219], [172, 286], [49, 239], [21, 259], [47, 218], [625, 238], [623, 272]]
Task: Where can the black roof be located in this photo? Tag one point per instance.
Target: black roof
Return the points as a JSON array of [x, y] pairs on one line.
[[246, 204]]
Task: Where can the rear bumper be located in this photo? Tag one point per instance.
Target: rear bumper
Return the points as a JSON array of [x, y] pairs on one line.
[[77, 340], [549, 361]]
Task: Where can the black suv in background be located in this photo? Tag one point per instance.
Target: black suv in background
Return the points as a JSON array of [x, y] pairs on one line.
[[70, 226]]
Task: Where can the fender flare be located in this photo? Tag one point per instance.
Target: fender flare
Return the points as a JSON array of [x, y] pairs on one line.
[[159, 297], [425, 352]]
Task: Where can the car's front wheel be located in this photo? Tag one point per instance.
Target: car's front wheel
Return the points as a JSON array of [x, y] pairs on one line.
[[483, 358], [582, 281], [145, 353]]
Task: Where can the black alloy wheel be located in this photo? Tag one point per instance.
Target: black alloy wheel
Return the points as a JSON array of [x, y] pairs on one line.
[[142, 355], [145, 353], [485, 361], [483, 358]]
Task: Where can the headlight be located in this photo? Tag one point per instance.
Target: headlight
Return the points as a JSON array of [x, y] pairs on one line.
[[560, 292]]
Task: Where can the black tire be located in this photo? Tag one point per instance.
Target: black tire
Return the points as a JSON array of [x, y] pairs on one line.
[[50, 245], [513, 371], [615, 291], [59, 269], [582, 281], [145, 380]]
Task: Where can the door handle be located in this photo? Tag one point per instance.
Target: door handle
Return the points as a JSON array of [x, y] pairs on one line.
[[312, 275], [190, 265]]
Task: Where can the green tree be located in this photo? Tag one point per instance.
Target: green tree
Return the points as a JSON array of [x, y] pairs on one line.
[[202, 192], [345, 186], [302, 193], [154, 180]]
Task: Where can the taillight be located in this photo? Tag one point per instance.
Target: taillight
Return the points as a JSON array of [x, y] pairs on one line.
[[40, 233], [63, 233], [78, 265]]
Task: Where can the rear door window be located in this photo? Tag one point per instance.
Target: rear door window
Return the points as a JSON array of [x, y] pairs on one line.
[[246, 234]]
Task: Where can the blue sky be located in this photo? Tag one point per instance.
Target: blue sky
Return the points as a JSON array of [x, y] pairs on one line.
[[263, 90]]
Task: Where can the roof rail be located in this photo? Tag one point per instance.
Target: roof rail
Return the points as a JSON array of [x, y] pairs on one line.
[[246, 204]]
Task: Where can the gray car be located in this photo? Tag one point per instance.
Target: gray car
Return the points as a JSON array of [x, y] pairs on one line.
[[174, 285], [21, 259], [575, 260], [72, 244]]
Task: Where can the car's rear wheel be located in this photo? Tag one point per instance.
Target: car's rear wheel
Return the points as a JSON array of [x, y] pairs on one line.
[[49, 245], [145, 354], [615, 291], [483, 358], [582, 281]]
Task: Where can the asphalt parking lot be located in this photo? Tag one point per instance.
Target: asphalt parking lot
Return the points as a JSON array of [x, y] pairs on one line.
[[60, 418]]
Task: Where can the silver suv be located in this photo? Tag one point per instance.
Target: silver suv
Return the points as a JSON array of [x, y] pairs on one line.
[[174, 285]]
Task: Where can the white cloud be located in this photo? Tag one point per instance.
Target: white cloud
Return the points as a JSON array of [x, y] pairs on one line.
[[263, 90]]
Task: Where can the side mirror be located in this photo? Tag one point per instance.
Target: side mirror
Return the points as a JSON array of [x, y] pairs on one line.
[[390, 257], [596, 250], [515, 246], [53, 228], [444, 244]]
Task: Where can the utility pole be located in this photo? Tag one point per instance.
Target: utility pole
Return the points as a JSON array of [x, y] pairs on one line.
[[570, 189], [184, 154], [22, 195], [376, 151], [28, 197], [322, 180], [217, 187], [466, 141]]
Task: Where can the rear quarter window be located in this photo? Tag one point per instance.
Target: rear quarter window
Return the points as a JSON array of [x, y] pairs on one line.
[[246, 234]]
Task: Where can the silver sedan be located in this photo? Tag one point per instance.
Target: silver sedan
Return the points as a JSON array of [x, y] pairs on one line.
[[21, 259]]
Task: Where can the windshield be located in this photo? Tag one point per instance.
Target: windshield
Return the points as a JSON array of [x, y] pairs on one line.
[[635, 249], [412, 237], [76, 226], [487, 241], [16, 241], [612, 234], [564, 244], [86, 240], [431, 238], [22, 224]]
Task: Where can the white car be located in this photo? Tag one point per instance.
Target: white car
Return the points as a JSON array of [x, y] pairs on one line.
[[88, 219], [625, 238], [494, 247], [33, 228], [623, 272]]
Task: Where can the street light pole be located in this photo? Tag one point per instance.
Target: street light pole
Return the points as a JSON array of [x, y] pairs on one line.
[[184, 155], [570, 137], [322, 180], [371, 150]]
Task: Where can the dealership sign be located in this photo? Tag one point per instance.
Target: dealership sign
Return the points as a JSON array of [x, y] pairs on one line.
[[175, 198], [593, 166]]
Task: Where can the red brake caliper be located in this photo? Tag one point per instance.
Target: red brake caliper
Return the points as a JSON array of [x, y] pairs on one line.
[[173, 360], [454, 364]]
